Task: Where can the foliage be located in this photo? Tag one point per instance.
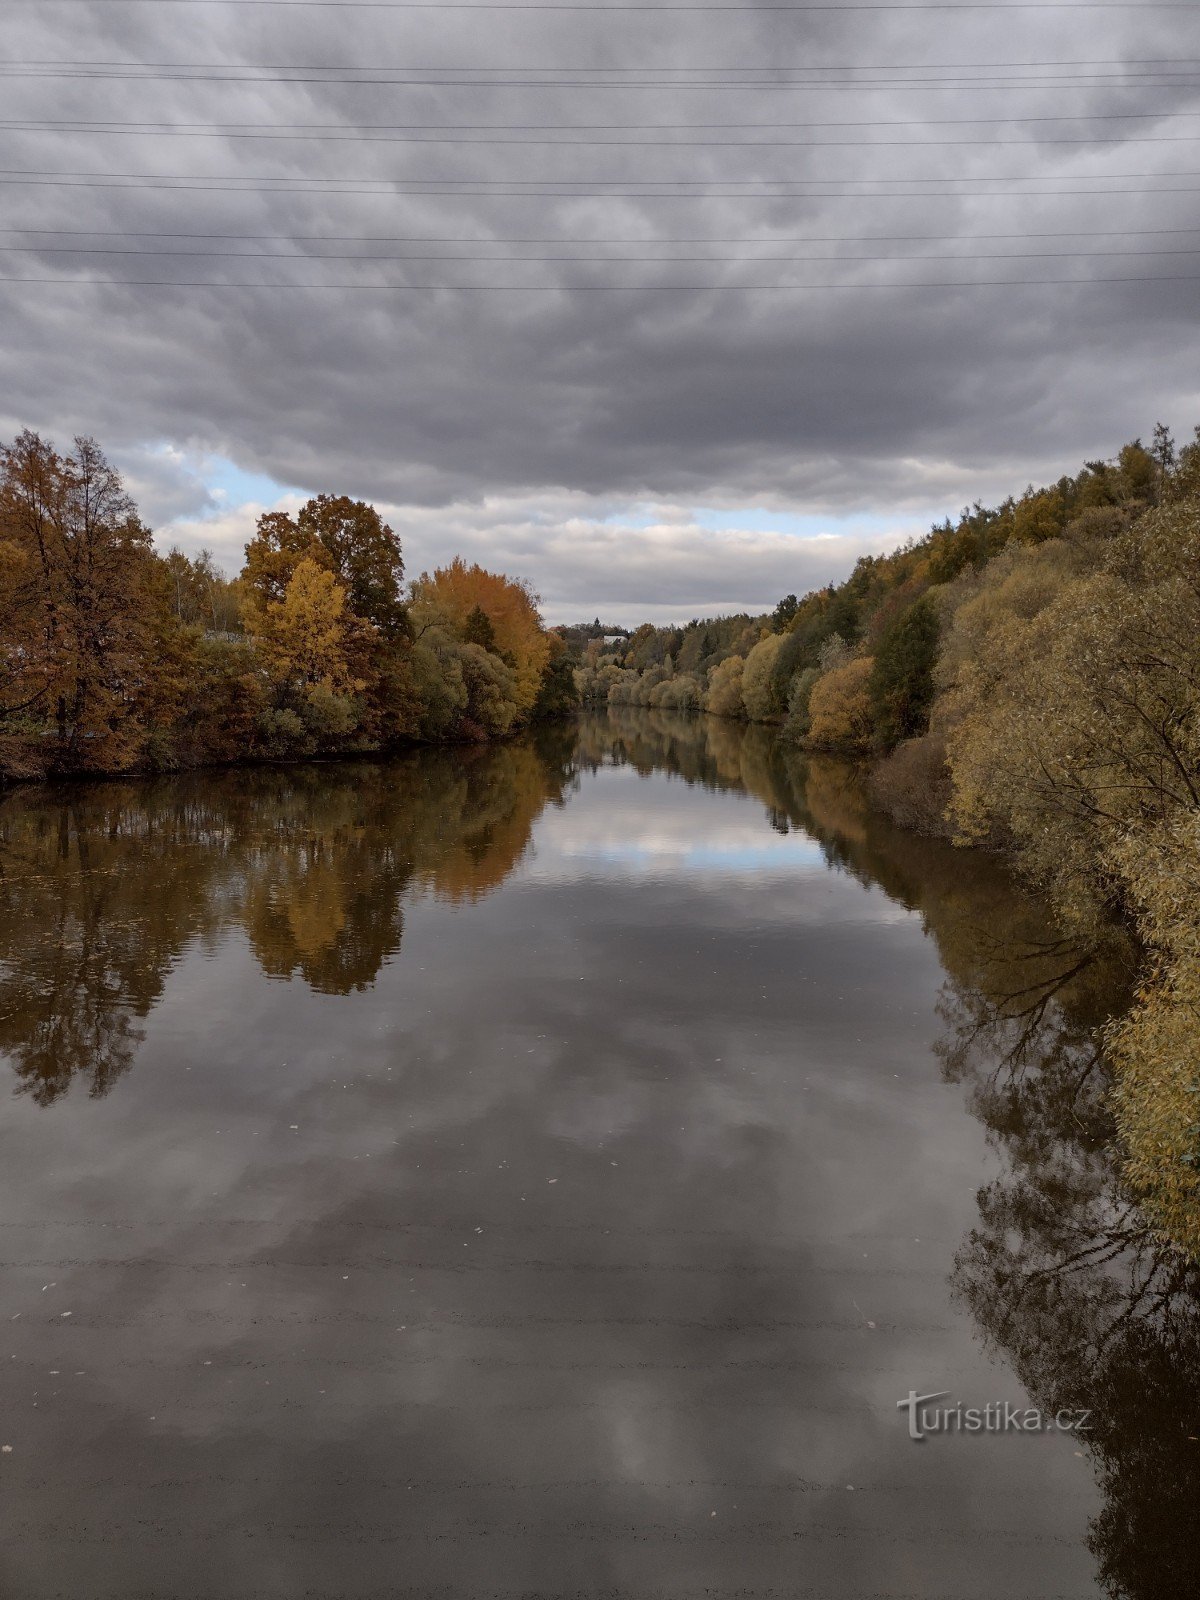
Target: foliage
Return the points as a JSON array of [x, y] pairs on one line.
[[450, 597], [799, 718], [912, 784], [901, 684], [760, 689], [724, 697], [113, 657], [840, 708], [82, 608]]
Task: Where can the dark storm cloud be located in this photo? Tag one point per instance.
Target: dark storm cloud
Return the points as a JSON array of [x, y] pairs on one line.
[[884, 397]]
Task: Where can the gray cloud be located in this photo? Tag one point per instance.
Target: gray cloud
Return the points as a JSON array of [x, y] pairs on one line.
[[578, 553], [886, 397]]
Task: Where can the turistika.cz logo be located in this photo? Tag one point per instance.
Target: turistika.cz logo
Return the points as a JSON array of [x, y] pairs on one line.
[[998, 1416]]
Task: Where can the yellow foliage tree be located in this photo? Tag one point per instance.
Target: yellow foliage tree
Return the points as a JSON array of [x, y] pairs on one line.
[[840, 708], [303, 638], [760, 692], [724, 697]]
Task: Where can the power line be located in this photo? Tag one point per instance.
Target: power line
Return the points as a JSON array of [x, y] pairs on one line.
[[578, 260], [602, 127], [418, 184], [611, 288], [687, 5], [817, 238], [352, 136], [1146, 83], [719, 66], [397, 189], [1145, 80]]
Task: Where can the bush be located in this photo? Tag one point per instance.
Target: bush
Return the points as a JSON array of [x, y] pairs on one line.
[[840, 708], [724, 697]]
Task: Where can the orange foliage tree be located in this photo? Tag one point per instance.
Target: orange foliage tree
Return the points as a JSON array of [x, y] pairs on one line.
[[449, 598]]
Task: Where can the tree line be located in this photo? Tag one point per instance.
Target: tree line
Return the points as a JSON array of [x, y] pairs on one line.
[[1026, 678], [116, 658]]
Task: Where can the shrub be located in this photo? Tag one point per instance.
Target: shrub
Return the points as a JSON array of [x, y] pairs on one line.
[[840, 708], [724, 697]]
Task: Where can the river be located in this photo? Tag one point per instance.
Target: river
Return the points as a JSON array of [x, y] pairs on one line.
[[544, 1170]]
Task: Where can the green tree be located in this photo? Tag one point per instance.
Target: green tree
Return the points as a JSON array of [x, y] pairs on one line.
[[901, 684], [477, 629], [760, 693], [783, 613]]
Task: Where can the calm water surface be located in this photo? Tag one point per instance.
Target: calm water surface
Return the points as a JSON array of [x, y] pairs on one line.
[[540, 1172]]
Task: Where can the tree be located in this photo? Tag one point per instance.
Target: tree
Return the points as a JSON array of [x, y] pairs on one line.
[[478, 630], [783, 613], [1039, 516], [201, 596], [365, 556], [759, 688], [1163, 451], [449, 597], [303, 636], [272, 556], [840, 708], [557, 695], [724, 697], [349, 539], [901, 684], [82, 607]]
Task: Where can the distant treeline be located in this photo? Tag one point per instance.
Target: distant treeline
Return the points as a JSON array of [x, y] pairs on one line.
[[115, 658], [1027, 677]]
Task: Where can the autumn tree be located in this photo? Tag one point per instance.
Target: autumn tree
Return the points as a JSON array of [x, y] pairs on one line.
[[306, 642], [724, 696], [840, 708], [200, 595], [82, 605], [347, 537], [349, 540], [365, 557], [449, 598], [760, 689]]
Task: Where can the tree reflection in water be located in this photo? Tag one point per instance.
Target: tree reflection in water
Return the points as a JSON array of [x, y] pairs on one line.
[[102, 887], [1063, 1277]]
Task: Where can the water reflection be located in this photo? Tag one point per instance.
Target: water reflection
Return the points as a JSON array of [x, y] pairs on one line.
[[103, 887], [1062, 1275], [584, 1233]]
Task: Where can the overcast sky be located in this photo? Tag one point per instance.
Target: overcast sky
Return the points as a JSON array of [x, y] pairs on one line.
[[708, 436]]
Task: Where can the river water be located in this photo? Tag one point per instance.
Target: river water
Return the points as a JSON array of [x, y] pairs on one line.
[[541, 1171]]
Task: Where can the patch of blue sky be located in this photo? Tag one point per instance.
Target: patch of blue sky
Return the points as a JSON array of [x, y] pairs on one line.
[[793, 849], [808, 525], [635, 516], [232, 486]]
